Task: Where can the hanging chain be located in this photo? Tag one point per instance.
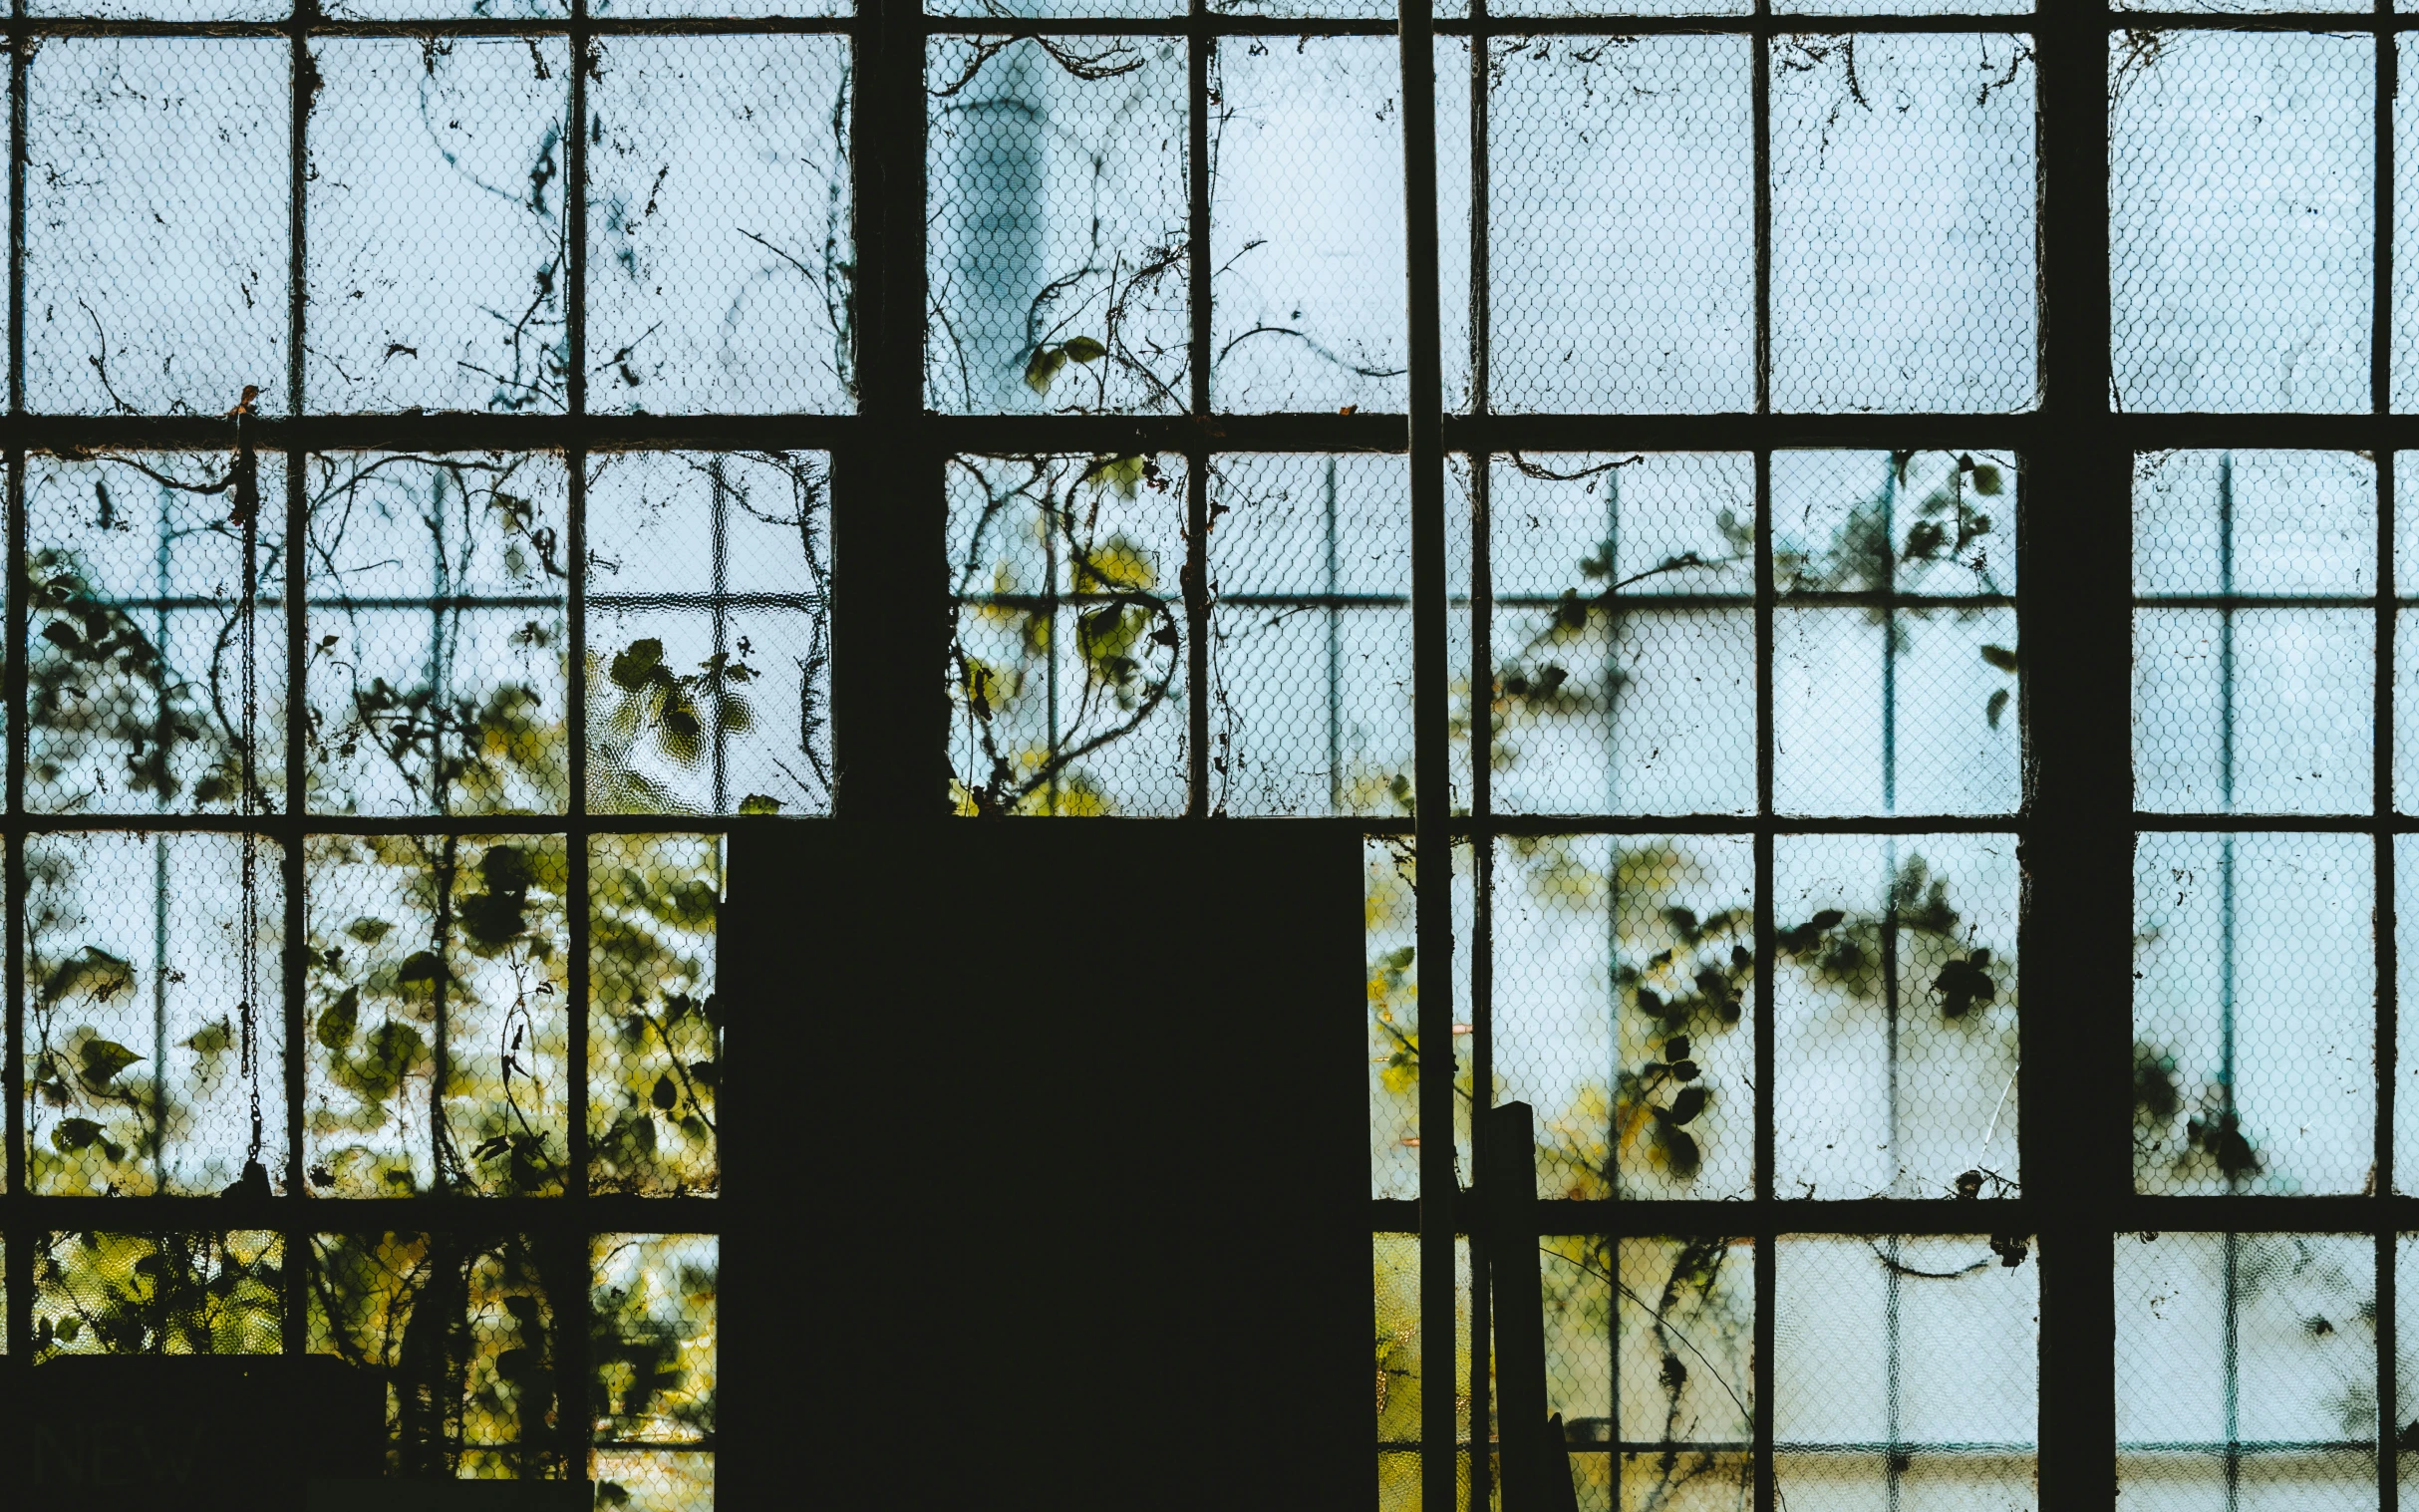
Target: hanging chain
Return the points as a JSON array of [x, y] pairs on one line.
[[248, 514]]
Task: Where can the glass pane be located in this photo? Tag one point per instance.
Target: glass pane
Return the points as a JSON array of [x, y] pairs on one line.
[[136, 687], [2241, 174], [141, 1065], [1311, 666], [2255, 710], [1622, 224], [632, 8], [155, 224], [1305, 225], [709, 604], [1939, 523], [1058, 258], [437, 228], [1067, 671], [437, 980], [2247, 1370], [463, 1327], [157, 1294], [652, 1310], [1625, 979], [1624, 635], [1906, 1372], [2253, 523], [1391, 897], [1894, 1009], [718, 220], [438, 599], [2405, 376], [655, 1026], [1902, 185], [2255, 1013], [2406, 1054]]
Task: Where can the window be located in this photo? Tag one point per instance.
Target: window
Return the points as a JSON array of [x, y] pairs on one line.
[[1866, 554]]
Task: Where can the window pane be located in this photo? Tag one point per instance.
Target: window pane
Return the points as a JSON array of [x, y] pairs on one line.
[[651, 1308], [436, 988], [2255, 1013], [463, 1327], [1906, 1369], [1903, 183], [436, 676], [654, 1027], [2241, 172], [1681, 1329], [2252, 522], [1306, 224], [134, 682], [155, 224], [157, 1294], [708, 601], [134, 1066], [1622, 224], [436, 224], [1392, 898], [720, 242], [1067, 671], [1624, 636], [2253, 710], [1310, 697], [1056, 181], [2247, 1370], [1895, 1002], [1625, 975]]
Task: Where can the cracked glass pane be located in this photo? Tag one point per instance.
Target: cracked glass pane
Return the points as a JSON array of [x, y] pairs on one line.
[[155, 224], [438, 671], [2255, 1014], [720, 243], [140, 1065], [437, 975], [1058, 251], [1622, 215], [1895, 1008], [135, 688], [708, 603], [1305, 225], [2240, 223], [1903, 181], [437, 230]]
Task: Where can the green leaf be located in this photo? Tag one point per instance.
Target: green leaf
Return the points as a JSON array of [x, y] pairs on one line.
[[89, 970], [339, 1019], [1683, 1070], [634, 668], [1689, 1103], [63, 635], [213, 1039], [393, 1048], [1043, 368], [421, 966], [1680, 1150], [1999, 656], [757, 802], [369, 931], [1675, 1049], [1962, 984], [1829, 918], [1985, 480], [74, 1134], [508, 868], [69, 1327], [1997, 707], [105, 1059], [666, 1096], [1085, 349]]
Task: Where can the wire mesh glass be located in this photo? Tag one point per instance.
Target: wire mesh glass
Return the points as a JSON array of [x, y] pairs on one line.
[[655, 1023], [2255, 1013], [184, 1292], [1895, 1003], [2241, 220], [2247, 1369], [1906, 1370]]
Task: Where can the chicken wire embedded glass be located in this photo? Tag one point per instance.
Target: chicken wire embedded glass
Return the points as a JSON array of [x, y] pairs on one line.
[[1895, 1004], [709, 634], [142, 1059], [2240, 223], [655, 1024], [1907, 1370], [2255, 1013], [2246, 1368], [157, 1294]]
